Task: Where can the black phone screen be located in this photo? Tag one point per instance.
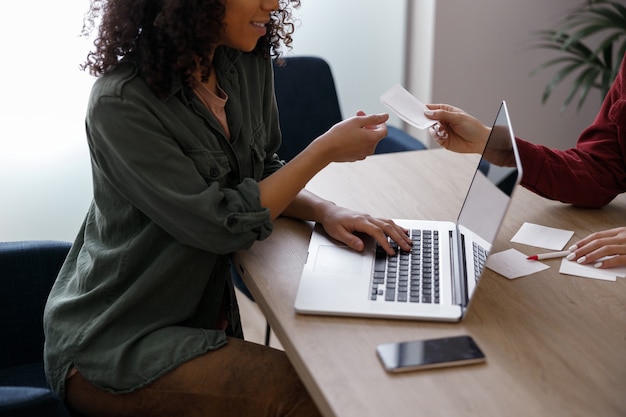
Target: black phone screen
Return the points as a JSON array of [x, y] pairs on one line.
[[430, 353]]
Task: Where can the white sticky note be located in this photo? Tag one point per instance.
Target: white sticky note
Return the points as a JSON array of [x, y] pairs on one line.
[[406, 106], [512, 264], [586, 271], [542, 236], [619, 271]]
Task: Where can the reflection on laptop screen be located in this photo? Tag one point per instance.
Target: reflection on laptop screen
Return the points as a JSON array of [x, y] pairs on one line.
[[494, 181], [487, 200]]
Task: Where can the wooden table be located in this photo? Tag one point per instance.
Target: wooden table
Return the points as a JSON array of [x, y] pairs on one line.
[[555, 344]]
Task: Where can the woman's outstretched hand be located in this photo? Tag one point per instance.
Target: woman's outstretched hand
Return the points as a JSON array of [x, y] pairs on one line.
[[456, 130]]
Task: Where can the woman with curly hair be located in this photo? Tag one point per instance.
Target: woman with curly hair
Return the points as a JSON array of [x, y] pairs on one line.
[[182, 127]]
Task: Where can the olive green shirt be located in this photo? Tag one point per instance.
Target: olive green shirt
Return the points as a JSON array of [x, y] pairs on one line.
[[141, 289]]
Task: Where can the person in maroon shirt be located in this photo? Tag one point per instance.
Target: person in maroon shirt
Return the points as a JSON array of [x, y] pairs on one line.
[[591, 174]]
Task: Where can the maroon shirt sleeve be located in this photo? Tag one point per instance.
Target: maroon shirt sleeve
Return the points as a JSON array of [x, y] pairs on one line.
[[594, 172]]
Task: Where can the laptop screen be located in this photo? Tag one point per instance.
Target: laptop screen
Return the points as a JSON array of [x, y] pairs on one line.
[[497, 175], [489, 195]]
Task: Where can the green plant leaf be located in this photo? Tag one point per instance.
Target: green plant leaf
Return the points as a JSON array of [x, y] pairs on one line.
[[557, 78], [584, 81], [583, 33], [604, 22], [620, 9], [607, 46], [610, 17], [556, 40]]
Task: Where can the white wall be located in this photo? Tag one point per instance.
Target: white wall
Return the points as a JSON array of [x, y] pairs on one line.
[[362, 41], [483, 54], [45, 178]]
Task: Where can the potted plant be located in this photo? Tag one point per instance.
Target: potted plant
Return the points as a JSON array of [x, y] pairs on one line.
[[601, 23]]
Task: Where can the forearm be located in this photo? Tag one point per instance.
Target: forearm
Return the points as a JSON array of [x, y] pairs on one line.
[[282, 189], [350, 140], [308, 206], [572, 176]]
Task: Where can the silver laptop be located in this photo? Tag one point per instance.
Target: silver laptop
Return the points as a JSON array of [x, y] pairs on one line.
[[436, 280]]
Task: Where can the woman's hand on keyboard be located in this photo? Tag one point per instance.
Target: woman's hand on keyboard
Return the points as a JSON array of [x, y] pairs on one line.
[[343, 224]]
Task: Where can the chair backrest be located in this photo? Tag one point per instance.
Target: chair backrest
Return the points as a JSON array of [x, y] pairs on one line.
[[307, 102], [27, 271]]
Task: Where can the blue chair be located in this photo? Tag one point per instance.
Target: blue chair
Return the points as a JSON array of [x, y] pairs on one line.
[[27, 271]]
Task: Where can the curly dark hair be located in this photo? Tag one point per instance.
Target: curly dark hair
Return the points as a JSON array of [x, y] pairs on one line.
[[170, 37]]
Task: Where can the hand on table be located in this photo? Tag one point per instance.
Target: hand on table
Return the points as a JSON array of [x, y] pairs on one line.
[[598, 245]]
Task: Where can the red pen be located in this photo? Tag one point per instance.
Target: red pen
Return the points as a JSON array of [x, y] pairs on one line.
[[549, 255]]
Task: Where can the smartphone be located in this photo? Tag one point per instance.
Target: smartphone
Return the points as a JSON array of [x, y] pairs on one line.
[[430, 353]]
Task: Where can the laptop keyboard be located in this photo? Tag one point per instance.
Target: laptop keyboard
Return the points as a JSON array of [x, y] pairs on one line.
[[480, 258], [408, 276]]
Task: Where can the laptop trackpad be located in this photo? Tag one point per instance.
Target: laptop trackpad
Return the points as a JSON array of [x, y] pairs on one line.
[[338, 259]]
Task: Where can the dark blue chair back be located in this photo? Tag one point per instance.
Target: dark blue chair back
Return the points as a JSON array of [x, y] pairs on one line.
[[27, 271], [307, 102]]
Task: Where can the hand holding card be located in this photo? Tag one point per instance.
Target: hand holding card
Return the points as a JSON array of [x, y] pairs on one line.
[[406, 107]]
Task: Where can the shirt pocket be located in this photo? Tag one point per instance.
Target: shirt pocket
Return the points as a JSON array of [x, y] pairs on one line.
[[213, 166]]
